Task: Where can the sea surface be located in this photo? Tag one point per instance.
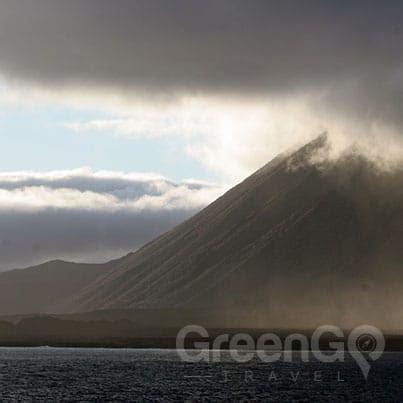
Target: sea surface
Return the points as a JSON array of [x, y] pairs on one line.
[[74, 374]]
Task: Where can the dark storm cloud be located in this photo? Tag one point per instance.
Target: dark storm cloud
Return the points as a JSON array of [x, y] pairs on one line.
[[351, 49]]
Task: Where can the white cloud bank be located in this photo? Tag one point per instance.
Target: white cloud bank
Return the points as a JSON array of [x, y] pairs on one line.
[[86, 215], [84, 189]]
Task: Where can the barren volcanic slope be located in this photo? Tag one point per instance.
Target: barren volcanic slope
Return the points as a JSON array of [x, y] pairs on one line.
[[296, 244]]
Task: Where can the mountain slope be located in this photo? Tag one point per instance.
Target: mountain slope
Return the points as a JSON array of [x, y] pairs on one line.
[[296, 244], [39, 288]]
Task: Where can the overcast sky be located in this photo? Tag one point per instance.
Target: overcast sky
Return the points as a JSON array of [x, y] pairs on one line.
[[205, 90]]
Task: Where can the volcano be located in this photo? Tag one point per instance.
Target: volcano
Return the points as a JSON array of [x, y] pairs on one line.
[[303, 241]]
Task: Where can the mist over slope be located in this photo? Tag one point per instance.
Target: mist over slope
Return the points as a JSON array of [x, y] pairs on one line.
[[296, 244]]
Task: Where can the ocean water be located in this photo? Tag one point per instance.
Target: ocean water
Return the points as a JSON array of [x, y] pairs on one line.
[[54, 374]]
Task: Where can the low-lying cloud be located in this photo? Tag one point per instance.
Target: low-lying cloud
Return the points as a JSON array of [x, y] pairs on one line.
[[83, 215]]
